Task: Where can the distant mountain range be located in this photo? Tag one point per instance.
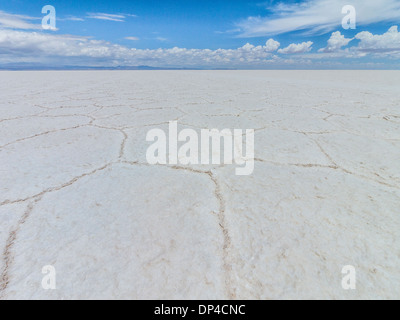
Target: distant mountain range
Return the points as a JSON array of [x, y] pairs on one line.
[[26, 66]]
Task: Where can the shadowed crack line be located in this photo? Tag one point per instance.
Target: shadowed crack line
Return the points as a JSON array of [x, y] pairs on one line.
[[53, 189], [23, 117], [227, 238], [7, 253], [122, 147], [301, 165], [227, 243], [353, 173], [44, 133]]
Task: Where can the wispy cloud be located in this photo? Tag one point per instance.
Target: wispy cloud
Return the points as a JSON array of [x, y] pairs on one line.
[[132, 38], [317, 16], [16, 21], [71, 18], [109, 17]]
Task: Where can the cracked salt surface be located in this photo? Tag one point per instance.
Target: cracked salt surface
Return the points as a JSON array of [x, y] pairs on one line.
[[78, 194]]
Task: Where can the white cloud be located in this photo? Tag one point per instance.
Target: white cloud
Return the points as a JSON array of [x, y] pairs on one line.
[[18, 46], [379, 46], [271, 45], [71, 18], [387, 42], [318, 16], [132, 38], [30, 45], [16, 21], [108, 16], [297, 48], [336, 42]]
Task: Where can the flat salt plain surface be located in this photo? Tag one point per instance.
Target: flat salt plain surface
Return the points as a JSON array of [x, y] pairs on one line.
[[76, 191]]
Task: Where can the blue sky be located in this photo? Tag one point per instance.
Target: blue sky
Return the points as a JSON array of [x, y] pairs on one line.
[[252, 34]]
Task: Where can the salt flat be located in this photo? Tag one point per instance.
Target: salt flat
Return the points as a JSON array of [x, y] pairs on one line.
[[78, 194]]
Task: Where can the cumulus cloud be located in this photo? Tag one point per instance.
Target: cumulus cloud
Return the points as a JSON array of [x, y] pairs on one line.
[[271, 45], [386, 45], [336, 42], [316, 16], [297, 48], [33, 44], [387, 42], [23, 46]]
